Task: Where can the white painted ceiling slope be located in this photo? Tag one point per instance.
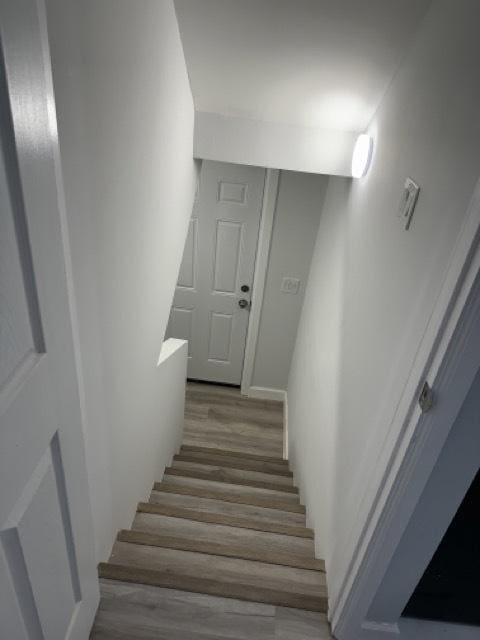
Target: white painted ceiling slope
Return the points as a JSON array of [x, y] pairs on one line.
[[315, 63]]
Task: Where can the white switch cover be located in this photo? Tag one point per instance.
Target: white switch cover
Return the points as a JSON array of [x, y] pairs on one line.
[[409, 200], [290, 285]]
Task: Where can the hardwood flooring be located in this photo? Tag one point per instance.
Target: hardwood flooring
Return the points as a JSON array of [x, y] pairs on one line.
[[220, 418], [221, 550], [142, 612]]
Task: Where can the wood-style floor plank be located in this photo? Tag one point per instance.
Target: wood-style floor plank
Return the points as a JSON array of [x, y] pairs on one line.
[[235, 440], [231, 521], [211, 586], [240, 552], [234, 454], [231, 488], [227, 420], [232, 472], [242, 522], [246, 464], [305, 581], [218, 396], [228, 508], [233, 476], [228, 496], [131, 611], [224, 534]]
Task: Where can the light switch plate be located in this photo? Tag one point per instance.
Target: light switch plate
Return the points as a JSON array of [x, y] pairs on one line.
[[290, 285], [409, 200]]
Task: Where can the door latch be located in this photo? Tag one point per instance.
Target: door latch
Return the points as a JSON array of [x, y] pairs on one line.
[[426, 398]]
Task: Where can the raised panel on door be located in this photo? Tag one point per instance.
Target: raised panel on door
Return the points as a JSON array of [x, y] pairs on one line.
[[37, 542], [220, 341], [21, 334], [17, 341], [228, 245], [232, 192]]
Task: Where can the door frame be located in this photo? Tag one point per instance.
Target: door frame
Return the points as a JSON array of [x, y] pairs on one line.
[[447, 358], [270, 194]]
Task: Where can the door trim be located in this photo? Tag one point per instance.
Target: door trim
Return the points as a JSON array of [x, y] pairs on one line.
[[446, 359], [269, 204]]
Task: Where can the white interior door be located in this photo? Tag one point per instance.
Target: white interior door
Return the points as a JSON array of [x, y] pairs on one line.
[[48, 584], [218, 261]]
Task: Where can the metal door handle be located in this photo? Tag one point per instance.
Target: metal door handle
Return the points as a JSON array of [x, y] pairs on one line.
[[243, 304]]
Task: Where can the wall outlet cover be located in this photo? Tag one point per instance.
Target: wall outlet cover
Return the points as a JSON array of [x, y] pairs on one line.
[[409, 200], [290, 285]]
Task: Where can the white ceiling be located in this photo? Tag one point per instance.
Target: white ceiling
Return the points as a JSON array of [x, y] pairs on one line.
[[320, 63]]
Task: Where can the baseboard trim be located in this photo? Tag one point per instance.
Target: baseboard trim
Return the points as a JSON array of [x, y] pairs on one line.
[[266, 393], [285, 426]]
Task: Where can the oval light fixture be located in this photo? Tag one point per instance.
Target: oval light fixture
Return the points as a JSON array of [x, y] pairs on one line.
[[362, 155]]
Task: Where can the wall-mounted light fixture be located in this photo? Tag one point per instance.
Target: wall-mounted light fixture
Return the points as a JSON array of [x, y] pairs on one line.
[[362, 155]]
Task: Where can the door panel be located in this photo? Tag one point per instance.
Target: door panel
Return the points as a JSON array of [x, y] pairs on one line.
[[227, 254], [220, 343], [219, 258], [232, 192], [40, 520], [48, 584]]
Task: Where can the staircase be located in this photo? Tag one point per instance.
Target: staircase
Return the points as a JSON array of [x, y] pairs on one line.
[[224, 523]]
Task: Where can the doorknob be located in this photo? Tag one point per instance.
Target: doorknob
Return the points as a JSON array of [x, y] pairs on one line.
[[245, 288], [243, 304]]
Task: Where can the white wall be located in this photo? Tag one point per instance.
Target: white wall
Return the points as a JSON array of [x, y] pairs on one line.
[[373, 285], [272, 144], [297, 215], [125, 116], [314, 382]]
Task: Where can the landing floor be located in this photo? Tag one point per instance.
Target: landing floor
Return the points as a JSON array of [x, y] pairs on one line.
[[220, 417]]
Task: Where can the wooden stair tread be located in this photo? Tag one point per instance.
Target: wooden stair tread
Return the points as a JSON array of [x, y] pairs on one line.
[[231, 488], [225, 519], [227, 508], [253, 444], [115, 571], [213, 548], [259, 500], [234, 462], [223, 533], [227, 476], [199, 398], [232, 472], [226, 569], [273, 544], [235, 454]]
